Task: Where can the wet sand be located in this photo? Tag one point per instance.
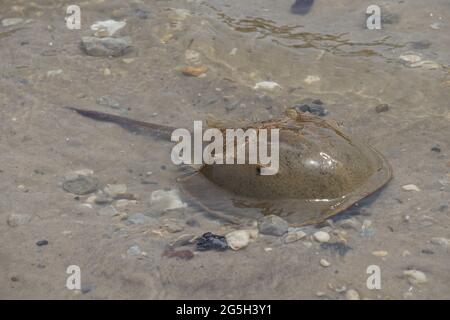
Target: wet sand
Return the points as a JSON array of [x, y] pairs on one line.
[[326, 54]]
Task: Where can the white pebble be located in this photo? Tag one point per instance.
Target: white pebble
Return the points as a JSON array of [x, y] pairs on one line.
[[238, 239], [322, 236], [267, 85], [312, 79]]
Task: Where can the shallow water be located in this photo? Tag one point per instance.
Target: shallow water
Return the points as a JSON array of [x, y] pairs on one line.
[[326, 54]]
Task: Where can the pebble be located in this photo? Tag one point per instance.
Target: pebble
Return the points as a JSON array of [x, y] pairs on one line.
[[436, 148], [443, 242], [134, 250], [81, 185], [311, 79], [352, 294], [105, 47], [210, 241], [139, 218], [321, 236], [18, 219], [411, 187], [293, 236], [108, 211], [167, 200], [382, 108], [273, 225], [41, 243], [415, 276], [380, 253], [266, 85], [102, 199], [315, 107], [11, 22], [142, 14], [194, 71], [238, 239], [324, 263], [107, 28], [410, 58]]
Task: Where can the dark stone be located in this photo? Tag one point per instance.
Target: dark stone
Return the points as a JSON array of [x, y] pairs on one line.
[[41, 243], [302, 6], [210, 241], [81, 185], [142, 14]]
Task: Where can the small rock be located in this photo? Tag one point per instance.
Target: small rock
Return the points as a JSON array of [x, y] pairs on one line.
[[105, 47], [411, 187], [266, 85], [41, 243], [273, 225], [102, 200], [436, 148], [321, 236], [18, 219], [293, 236], [139, 218], [11, 22], [410, 58], [134, 250], [351, 223], [142, 14], [81, 185], [112, 190], [301, 6], [167, 200], [380, 253], [173, 227], [324, 263], [415, 276], [382, 108], [210, 241], [352, 294], [194, 71], [443, 242], [315, 107], [240, 238], [108, 211]]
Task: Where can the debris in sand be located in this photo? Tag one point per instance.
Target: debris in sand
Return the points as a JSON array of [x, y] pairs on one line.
[[107, 28], [167, 200], [210, 241], [321, 236], [80, 184], [18, 219], [415, 276], [194, 71], [106, 47], [382, 108], [8, 22], [411, 187], [273, 226], [266, 85]]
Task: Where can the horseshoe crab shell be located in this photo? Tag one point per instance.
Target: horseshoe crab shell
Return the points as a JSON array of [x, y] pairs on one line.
[[322, 171]]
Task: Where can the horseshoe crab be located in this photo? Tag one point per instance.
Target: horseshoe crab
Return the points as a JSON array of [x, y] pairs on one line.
[[322, 171]]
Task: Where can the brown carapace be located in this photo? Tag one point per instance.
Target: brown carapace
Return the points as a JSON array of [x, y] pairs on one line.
[[322, 171]]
